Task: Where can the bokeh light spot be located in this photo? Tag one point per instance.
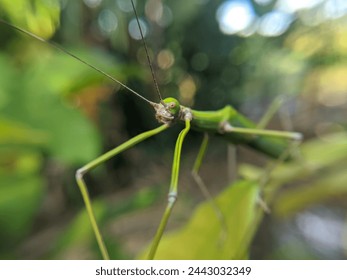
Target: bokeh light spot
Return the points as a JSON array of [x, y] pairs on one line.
[[235, 16], [107, 21], [134, 31], [92, 3], [187, 90], [125, 5], [165, 59], [274, 23]]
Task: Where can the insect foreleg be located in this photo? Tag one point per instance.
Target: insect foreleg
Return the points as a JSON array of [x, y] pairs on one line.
[[172, 195], [83, 187]]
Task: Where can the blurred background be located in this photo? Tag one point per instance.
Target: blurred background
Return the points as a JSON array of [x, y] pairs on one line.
[[56, 115]]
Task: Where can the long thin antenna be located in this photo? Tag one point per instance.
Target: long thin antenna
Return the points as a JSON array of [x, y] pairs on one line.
[[77, 58], [147, 54]]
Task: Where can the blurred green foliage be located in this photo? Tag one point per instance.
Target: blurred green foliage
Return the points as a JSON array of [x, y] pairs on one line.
[[56, 114]]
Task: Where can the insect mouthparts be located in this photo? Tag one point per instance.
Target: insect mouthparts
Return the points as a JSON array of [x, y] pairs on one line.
[[163, 114]]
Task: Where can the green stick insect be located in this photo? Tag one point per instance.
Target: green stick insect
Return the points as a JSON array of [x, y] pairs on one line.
[[226, 122]]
